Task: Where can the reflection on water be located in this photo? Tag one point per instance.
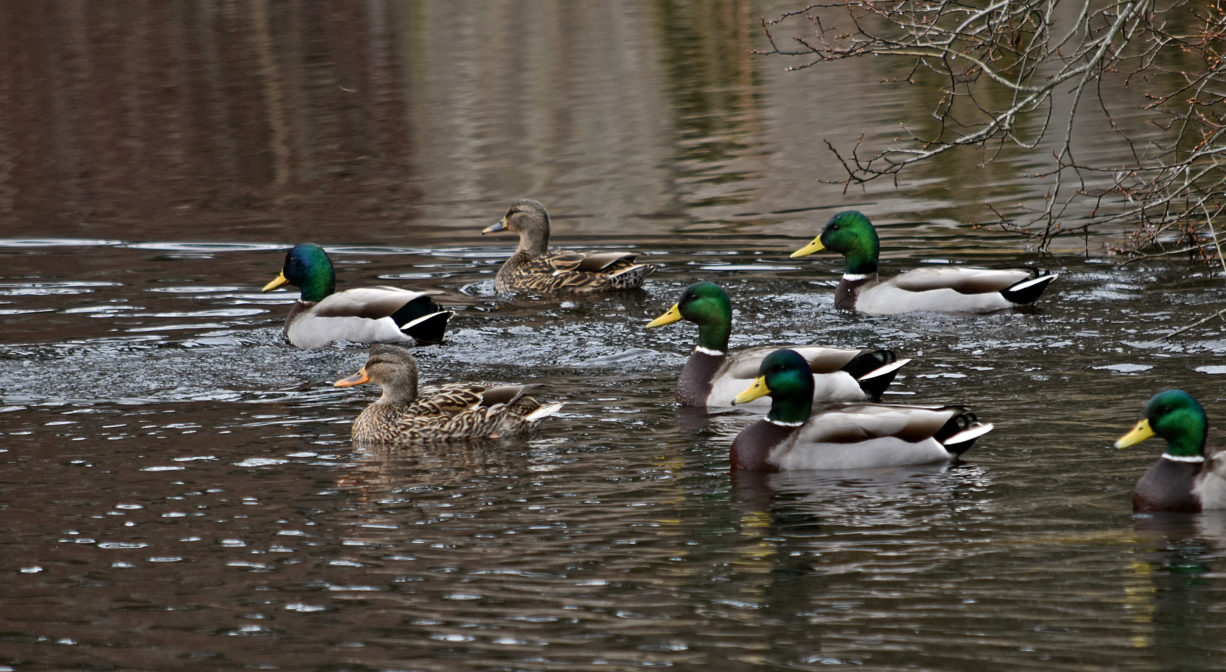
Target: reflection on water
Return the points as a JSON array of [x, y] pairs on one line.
[[179, 490]]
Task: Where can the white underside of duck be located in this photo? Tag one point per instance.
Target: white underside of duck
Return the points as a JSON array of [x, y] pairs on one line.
[[349, 316], [312, 331], [864, 436], [879, 452], [947, 289], [886, 299]]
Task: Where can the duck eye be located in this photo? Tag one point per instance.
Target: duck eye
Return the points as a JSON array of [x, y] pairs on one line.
[[834, 227]]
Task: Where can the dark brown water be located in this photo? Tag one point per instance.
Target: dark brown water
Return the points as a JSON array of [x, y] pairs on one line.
[[178, 490]]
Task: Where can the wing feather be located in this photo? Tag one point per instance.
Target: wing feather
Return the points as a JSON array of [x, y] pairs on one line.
[[961, 279], [575, 272], [366, 302]]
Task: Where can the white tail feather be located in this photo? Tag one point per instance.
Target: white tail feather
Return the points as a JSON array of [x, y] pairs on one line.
[[543, 412], [426, 318], [888, 368], [969, 434], [1034, 281], [633, 269]]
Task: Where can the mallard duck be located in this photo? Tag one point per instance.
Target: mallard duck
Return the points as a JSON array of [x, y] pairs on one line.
[[1185, 478], [534, 269], [950, 289], [361, 315], [713, 377], [445, 412], [842, 436]]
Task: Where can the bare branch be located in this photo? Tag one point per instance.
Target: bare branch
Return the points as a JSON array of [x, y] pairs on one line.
[[1004, 66]]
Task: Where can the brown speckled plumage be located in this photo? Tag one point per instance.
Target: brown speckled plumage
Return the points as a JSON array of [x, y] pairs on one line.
[[534, 269], [446, 412]]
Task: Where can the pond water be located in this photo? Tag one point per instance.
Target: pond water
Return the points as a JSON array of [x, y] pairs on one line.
[[178, 489]]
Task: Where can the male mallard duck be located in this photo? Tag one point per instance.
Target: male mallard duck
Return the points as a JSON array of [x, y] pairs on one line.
[[533, 268], [950, 289], [712, 377], [842, 436], [445, 412], [362, 315], [1184, 479]]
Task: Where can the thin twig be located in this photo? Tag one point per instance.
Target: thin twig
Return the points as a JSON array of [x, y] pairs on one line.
[[1197, 323], [1008, 80]]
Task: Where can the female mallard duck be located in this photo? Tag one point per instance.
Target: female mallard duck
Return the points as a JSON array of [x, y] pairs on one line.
[[533, 268], [842, 436], [1184, 479], [950, 289], [446, 412], [362, 315], [713, 377]]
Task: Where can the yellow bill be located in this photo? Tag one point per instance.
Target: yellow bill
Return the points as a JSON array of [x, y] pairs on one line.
[[356, 379], [1138, 434], [276, 282], [755, 391], [669, 317], [815, 246], [500, 225]]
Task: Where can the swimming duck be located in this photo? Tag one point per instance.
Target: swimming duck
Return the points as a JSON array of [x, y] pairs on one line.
[[713, 377], [842, 436], [950, 289], [361, 315], [1185, 478], [534, 269], [445, 412]]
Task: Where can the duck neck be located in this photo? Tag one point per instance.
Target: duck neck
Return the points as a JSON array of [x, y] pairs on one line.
[[861, 262], [318, 285], [713, 336], [694, 382], [399, 392], [791, 408], [1189, 444], [534, 239]]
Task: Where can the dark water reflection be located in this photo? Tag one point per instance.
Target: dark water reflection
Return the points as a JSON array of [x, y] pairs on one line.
[[178, 488]]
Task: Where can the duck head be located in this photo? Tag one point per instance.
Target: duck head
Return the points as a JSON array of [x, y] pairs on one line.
[[850, 234], [392, 368], [1175, 416], [529, 219], [308, 268], [706, 305], [787, 378]]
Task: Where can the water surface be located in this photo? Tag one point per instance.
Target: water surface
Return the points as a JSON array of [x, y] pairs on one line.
[[179, 489]]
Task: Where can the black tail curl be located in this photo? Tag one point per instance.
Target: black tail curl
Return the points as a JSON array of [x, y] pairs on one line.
[[426, 331], [867, 362]]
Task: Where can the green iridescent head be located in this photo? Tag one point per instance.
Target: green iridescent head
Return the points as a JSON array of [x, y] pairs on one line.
[[1175, 416], [850, 234], [706, 305], [787, 378], [308, 268]]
